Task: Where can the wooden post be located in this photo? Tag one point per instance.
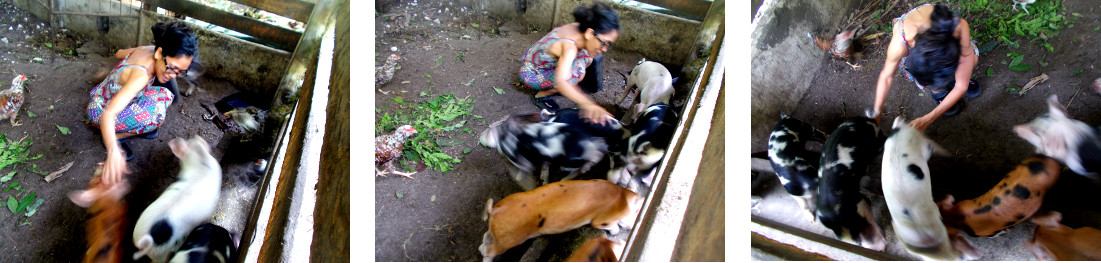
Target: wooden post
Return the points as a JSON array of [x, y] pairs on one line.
[[331, 236]]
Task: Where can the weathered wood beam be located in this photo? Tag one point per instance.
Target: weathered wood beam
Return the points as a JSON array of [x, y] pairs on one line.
[[332, 219], [702, 235], [697, 8], [284, 38], [293, 9]]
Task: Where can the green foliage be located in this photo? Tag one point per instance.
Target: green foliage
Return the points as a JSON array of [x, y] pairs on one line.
[[997, 21], [435, 120], [15, 152]]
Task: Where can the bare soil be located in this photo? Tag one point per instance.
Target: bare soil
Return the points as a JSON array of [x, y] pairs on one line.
[[983, 145], [60, 76], [409, 225]]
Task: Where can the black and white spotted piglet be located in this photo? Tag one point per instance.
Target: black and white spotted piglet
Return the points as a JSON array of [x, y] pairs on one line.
[[207, 243], [1070, 141], [529, 144], [909, 195], [186, 203], [845, 158], [651, 134], [796, 167]]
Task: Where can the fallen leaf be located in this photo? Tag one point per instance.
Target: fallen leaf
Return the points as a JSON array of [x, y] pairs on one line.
[[499, 91], [465, 151], [7, 178], [50, 45], [396, 193], [426, 75], [64, 130], [56, 174], [34, 208], [423, 93], [12, 204], [470, 82], [433, 198], [31, 114], [1033, 82], [406, 82], [474, 25]]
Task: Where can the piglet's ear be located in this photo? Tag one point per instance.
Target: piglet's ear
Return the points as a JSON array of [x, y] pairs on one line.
[[1056, 108], [899, 122], [179, 147], [939, 150]]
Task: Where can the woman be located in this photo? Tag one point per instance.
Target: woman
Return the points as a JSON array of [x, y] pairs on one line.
[[933, 48], [557, 64], [127, 103]]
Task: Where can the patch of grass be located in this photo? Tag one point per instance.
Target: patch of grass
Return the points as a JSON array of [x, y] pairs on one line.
[[436, 120], [993, 20]]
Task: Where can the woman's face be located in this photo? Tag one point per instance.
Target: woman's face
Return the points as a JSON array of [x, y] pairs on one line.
[[600, 43], [169, 68]]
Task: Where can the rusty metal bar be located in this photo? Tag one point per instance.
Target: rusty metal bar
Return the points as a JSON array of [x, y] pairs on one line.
[[286, 39], [825, 241], [696, 8], [293, 9], [91, 14]]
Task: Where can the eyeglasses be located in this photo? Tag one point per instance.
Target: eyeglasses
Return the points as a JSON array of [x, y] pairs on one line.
[[605, 44], [174, 69]]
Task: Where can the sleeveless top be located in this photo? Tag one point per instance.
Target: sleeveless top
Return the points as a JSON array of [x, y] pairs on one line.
[[902, 63], [538, 66]]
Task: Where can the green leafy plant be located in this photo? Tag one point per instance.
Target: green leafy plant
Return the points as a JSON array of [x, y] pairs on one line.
[[996, 21], [15, 152], [436, 120]]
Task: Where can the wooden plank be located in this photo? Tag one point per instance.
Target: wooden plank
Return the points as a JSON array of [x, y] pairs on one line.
[[332, 217], [697, 8], [285, 38], [293, 9], [702, 235]]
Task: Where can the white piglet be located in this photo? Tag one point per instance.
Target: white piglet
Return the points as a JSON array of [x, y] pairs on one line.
[[186, 203], [651, 83], [909, 196]]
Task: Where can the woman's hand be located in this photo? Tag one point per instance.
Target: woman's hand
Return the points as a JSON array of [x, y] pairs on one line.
[[921, 123], [115, 166], [595, 114]]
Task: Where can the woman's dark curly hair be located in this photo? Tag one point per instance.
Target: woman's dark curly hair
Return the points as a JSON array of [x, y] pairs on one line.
[[175, 39], [600, 17], [936, 53]]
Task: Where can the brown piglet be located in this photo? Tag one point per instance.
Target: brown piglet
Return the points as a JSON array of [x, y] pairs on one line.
[[1014, 199], [107, 226], [1060, 242], [596, 249], [556, 208]]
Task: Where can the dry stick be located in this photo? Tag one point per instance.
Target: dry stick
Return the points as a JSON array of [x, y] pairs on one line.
[[1072, 97]]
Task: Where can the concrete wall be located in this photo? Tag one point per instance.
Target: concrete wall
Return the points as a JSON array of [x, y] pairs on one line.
[[247, 66], [659, 37], [784, 59]]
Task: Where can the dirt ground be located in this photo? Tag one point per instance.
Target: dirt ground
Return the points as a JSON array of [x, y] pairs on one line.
[[413, 227], [59, 76], [983, 145]]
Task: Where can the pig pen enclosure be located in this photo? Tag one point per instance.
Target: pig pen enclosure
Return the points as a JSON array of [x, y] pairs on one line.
[[61, 47], [791, 74], [460, 58]]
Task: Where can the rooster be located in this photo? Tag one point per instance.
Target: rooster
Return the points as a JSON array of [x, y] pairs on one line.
[[384, 73], [388, 148], [12, 99], [843, 47]]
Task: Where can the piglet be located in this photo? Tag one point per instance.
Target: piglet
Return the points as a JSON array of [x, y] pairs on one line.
[[909, 196], [528, 144], [596, 249], [1014, 199], [557, 208], [107, 227], [845, 158], [186, 203], [1070, 141], [1060, 242], [651, 83], [796, 167], [651, 135], [207, 243]]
